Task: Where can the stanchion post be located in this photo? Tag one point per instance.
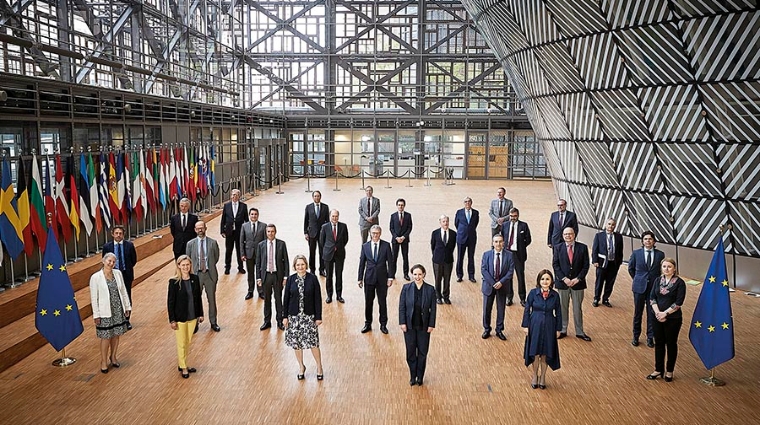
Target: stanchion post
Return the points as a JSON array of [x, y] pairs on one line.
[[336, 180], [279, 183], [409, 178], [428, 175], [388, 180]]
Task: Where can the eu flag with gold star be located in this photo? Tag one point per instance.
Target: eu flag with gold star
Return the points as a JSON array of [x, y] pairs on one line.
[[57, 315], [712, 327]]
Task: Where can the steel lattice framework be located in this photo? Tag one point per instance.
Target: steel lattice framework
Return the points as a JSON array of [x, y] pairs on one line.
[[648, 111]]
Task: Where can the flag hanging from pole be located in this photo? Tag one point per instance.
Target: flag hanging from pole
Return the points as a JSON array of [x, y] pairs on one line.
[[83, 188], [37, 207], [74, 214], [61, 204], [24, 210], [104, 197], [11, 232]]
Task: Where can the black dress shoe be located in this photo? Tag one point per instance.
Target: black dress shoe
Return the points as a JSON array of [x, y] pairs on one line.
[[501, 336], [562, 335], [447, 301], [226, 271], [584, 337], [241, 271], [635, 342], [280, 326], [366, 329], [129, 326], [509, 303], [607, 304], [413, 382], [472, 279], [341, 300], [654, 375], [419, 381], [215, 327], [669, 378], [384, 329], [249, 295], [261, 296], [265, 326], [459, 279], [595, 303], [522, 303], [406, 277], [195, 331], [185, 375], [328, 300], [189, 370], [650, 342], [486, 334], [104, 370], [438, 301], [322, 273]]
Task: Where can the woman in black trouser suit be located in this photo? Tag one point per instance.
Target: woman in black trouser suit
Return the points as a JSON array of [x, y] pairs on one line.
[[416, 312], [667, 297]]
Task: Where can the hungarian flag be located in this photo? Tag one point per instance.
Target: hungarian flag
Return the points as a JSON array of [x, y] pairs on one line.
[[73, 195], [104, 197], [93, 190], [22, 202], [83, 187], [61, 204], [38, 221]]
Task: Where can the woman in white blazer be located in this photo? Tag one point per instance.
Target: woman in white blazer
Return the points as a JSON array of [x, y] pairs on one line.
[[110, 309]]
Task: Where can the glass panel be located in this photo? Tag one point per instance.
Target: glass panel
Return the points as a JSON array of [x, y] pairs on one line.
[[476, 155]]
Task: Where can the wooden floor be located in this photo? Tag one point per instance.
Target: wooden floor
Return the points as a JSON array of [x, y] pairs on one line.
[[248, 376]]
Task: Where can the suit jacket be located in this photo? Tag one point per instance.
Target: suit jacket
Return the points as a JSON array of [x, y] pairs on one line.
[[312, 296], [644, 276], [332, 248], [100, 297], [280, 259], [176, 301], [249, 240], [493, 211], [312, 223], [443, 253], [555, 230], [130, 258], [487, 270], [406, 305], [522, 236], [467, 232], [212, 256], [564, 269], [364, 213], [599, 250], [182, 236], [230, 222], [397, 229], [378, 272]]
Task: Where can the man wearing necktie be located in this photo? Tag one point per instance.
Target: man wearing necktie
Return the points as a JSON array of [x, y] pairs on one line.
[[607, 256], [252, 233], [315, 216], [571, 263], [644, 268], [376, 274], [497, 268], [234, 214], [333, 240], [182, 227], [558, 221], [517, 237], [272, 274], [499, 211], [401, 227], [369, 210], [126, 259], [442, 243], [466, 223], [204, 254]]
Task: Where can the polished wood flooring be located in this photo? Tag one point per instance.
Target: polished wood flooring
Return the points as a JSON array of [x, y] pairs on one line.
[[247, 376]]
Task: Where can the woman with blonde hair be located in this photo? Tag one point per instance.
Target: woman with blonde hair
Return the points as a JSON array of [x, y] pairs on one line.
[[185, 310], [302, 300], [667, 297], [110, 310]]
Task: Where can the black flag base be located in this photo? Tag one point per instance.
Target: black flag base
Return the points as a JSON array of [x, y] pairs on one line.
[[64, 361], [711, 380]]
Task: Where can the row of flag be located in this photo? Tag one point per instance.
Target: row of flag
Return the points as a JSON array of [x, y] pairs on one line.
[[107, 189]]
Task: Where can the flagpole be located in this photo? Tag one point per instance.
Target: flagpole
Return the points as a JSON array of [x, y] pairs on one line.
[[712, 381]]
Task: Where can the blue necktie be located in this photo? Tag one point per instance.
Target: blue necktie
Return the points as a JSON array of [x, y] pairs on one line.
[[118, 257], [374, 256]]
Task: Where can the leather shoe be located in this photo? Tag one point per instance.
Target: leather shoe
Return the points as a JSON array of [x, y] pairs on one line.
[[650, 342], [595, 303], [584, 337], [226, 271], [419, 381], [265, 326], [406, 277], [189, 370], [459, 279], [129, 326], [215, 327], [241, 271], [501, 336], [509, 303], [472, 279], [249, 295], [384, 329], [280, 326], [522, 303], [438, 301], [635, 342], [261, 296], [328, 300], [413, 382], [341, 300], [562, 335], [447, 301], [366, 329], [607, 304], [486, 335], [322, 273]]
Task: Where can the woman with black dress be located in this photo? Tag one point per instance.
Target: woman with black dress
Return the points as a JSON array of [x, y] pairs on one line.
[[185, 310], [542, 322], [110, 309], [416, 315], [302, 300], [667, 297]]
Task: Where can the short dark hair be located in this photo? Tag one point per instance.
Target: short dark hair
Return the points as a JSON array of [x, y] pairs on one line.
[[253, 209], [400, 200], [418, 266], [648, 233], [316, 191], [541, 274], [272, 226], [118, 226]]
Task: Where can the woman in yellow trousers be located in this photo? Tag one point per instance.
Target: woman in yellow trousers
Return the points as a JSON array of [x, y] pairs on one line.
[[185, 310]]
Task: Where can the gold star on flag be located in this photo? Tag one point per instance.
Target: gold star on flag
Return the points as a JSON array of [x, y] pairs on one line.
[[62, 268], [43, 312], [725, 283], [712, 279], [698, 324], [50, 267], [711, 328], [57, 313], [69, 307], [725, 325]]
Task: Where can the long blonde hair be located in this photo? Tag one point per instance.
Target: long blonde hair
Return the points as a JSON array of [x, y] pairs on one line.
[[178, 272]]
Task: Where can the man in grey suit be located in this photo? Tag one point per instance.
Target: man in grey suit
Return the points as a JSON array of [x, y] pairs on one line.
[[499, 211], [204, 254], [272, 272], [369, 209], [251, 234]]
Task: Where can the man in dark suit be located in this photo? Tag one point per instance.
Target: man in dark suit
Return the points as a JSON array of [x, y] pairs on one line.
[[571, 263], [273, 267], [369, 210], [126, 259], [466, 223], [558, 221], [607, 256], [333, 240], [644, 268], [401, 227], [442, 243], [315, 216], [499, 211], [517, 237], [376, 273], [251, 235], [182, 227], [234, 215], [497, 269]]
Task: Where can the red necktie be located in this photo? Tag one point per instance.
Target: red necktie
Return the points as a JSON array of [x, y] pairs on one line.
[[570, 252], [335, 235], [511, 235]]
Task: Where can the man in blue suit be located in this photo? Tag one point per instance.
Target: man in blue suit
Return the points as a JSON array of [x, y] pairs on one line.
[[559, 220], [644, 268], [607, 256], [497, 269], [376, 272], [570, 261], [126, 259], [401, 227], [466, 223]]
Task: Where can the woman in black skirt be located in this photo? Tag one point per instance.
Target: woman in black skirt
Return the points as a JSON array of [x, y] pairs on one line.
[[302, 300]]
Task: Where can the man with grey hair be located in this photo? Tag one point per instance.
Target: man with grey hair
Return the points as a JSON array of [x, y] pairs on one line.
[[442, 243], [499, 211], [466, 223], [607, 257], [376, 272], [182, 227], [369, 210]]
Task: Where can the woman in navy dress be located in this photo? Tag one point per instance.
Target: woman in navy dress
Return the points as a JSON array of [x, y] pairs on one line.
[[542, 322]]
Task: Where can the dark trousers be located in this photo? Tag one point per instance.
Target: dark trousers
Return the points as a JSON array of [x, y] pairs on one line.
[[469, 247], [250, 265], [501, 304], [404, 253], [605, 280], [337, 265], [520, 272], [442, 274], [272, 284], [231, 242], [496, 231], [640, 303], [313, 245], [381, 290], [417, 344], [666, 337]]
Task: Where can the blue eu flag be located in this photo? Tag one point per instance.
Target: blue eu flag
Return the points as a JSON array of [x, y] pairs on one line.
[[712, 328], [57, 315]]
